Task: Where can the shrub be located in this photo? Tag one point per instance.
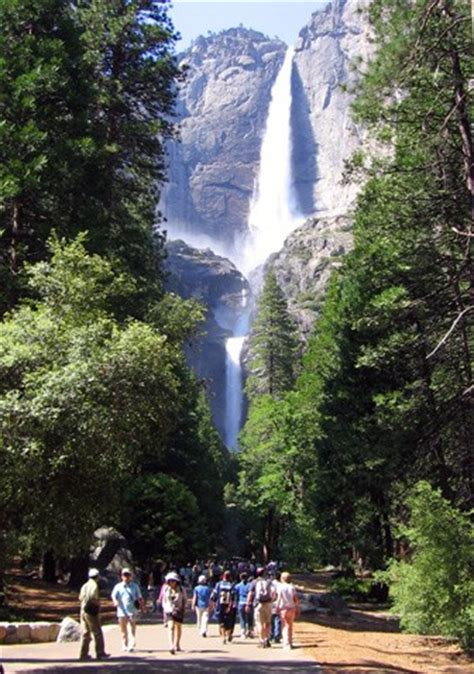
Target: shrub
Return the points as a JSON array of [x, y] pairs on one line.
[[433, 591]]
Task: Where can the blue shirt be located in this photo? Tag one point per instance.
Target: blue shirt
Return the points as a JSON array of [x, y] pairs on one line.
[[202, 594], [242, 590], [125, 594]]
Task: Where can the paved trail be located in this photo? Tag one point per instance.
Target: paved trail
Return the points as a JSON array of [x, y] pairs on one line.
[[199, 656]]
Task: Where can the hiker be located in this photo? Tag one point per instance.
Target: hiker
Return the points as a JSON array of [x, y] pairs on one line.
[[242, 590], [275, 630], [90, 618], [224, 598], [155, 581], [288, 606], [201, 603], [128, 600], [260, 597], [174, 605]]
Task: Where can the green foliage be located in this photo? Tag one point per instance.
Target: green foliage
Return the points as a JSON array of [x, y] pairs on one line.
[[87, 96], [433, 591], [76, 386], [162, 520]]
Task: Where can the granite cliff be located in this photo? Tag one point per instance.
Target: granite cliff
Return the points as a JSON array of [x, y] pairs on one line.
[[217, 284]]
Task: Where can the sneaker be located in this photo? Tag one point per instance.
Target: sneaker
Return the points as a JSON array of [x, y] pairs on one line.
[[103, 656], [172, 651], [230, 638], [267, 643], [204, 634], [85, 657]]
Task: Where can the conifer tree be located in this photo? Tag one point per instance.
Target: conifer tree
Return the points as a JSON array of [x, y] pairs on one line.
[[272, 344]]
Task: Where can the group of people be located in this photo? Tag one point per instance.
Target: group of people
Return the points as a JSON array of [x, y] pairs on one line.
[[264, 601]]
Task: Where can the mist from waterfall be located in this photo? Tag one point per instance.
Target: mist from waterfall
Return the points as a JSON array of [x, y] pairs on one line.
[[273, 209], [273, 215]]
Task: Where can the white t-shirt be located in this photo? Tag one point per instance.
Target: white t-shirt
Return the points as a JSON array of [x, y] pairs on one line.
[[286, 596]]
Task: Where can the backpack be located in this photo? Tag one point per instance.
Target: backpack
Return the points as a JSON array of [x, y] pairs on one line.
[[262, 592]]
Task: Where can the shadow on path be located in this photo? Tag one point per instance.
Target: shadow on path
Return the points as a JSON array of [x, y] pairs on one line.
[[182, 665]]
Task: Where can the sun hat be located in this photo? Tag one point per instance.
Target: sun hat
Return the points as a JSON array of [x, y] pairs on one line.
[[202, 579], [93, 573], [126, 572], [172, 575]]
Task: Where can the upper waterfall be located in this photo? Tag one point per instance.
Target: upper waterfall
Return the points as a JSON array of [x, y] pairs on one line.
[[273, 208]]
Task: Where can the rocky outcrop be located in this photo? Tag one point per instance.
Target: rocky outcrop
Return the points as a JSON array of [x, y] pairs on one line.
[[110, 554], [329, 55], [304, 265], [219, 286], [222, 108], [70, 630]]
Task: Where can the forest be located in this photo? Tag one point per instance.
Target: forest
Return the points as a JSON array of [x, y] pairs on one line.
[[357, 446]]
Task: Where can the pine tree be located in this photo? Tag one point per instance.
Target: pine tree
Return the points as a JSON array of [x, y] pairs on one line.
[[273, 343]]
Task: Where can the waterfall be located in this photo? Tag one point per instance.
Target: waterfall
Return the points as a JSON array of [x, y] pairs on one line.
[[233, 375], [273, 210], [273, 215]]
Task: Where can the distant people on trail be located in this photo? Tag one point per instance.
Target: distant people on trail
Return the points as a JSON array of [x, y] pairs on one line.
[[216, 572], [224, 597], [260, 597], [245, 612], [288, 606], [174, 606], [128, 600], [201, 604], [90, 618], [155, 582]]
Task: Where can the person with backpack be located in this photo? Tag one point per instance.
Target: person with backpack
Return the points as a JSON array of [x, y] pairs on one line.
[[260, 597], [224, 597], [242, 590], [128, 600], [288, 605], [174, 606], [201, 603]]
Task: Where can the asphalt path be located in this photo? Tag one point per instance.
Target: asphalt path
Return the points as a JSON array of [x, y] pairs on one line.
[[199, 655]]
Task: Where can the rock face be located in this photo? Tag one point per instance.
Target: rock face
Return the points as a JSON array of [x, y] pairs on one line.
[[304, 265], [219, 286], [222, 106], [330, 51], [329, 54]]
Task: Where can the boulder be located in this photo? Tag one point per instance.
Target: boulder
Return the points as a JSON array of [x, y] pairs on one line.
[[11, 636], [22, 632], [110, 554], [69, 630]]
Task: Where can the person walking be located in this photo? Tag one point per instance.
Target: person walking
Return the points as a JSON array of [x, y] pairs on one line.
[[90, 618], [275, 632], [201, 604], [174, 605], [260, 597], [245, 612], [288, 606], [225, 600], [128, 600]]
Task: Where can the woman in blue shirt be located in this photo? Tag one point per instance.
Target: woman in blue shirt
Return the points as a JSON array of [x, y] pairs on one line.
[[201, 603]]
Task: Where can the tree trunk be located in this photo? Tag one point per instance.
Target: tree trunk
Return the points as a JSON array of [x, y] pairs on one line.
[[79, 568], [48, 567]]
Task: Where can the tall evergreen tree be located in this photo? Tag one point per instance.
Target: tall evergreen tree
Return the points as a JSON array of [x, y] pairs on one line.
[[86, 102], [273, 343]]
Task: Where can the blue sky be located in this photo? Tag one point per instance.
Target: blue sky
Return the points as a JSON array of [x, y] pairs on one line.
[[272, 17]]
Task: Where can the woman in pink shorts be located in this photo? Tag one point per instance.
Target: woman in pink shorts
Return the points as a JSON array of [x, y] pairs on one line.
[[287, 605]]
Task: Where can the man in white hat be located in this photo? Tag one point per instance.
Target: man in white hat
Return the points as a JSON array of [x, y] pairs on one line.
[[90, 618], [128, 600]]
